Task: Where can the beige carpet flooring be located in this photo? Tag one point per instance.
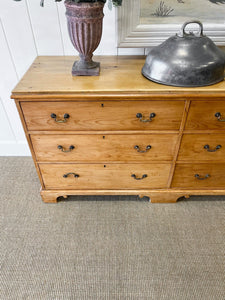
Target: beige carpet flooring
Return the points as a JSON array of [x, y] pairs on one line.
[[106, 248]]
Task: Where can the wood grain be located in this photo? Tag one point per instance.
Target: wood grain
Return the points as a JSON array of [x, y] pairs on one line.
[[109, 115], [108, 176], [192, 147], [119, 75], [155, 195], [29, 142], [182, 125], [202, 115], [184, 176], [104, 148]]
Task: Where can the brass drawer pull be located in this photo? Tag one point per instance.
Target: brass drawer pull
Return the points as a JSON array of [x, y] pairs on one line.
[[63, 149], [219, 117], [66, 117], [142, 151], [202, 178], [207, 147], [140, 117], [136, 178], [74, 174]]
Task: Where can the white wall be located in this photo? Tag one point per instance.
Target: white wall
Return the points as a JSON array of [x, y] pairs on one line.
[[28, 30]]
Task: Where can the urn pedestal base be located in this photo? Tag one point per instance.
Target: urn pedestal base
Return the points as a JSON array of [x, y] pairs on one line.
[[94, 70]]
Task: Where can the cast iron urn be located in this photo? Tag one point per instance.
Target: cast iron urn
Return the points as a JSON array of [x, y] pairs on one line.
[[84, 21]]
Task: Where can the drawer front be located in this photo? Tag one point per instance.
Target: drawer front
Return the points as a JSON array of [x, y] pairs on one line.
[[110, 176], [199, 176], [202, 115], [102, 148], [110, 115], [199, 147]]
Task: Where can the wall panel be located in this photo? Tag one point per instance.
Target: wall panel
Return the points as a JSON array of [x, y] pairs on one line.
[[46, 27], [18, 32], [6, 133], [108, 42], [68, 48], [8, 81]]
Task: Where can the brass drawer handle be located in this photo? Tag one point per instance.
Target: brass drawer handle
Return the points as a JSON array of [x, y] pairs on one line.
[[140, 117], [60, 147], [74, 174], [219, 117], [142, 151], [137, 178], [66, 117], [207, 147], [202, 178]]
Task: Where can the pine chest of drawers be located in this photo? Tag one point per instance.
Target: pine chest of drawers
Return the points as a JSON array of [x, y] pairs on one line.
[[120, 133]]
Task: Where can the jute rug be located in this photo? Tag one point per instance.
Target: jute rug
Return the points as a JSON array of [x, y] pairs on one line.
[[106, 248]]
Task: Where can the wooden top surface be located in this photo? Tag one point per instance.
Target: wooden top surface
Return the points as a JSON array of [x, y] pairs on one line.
[[119, 75]]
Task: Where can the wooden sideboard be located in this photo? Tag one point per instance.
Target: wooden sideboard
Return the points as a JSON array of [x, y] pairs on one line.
[[119, 133]]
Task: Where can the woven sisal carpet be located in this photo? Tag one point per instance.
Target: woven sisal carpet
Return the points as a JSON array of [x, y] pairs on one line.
[[109, 248]]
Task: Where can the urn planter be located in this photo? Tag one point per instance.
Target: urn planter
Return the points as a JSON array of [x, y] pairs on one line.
[[84, 21]]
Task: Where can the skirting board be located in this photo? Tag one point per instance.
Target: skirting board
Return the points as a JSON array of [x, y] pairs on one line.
[[14, 148]]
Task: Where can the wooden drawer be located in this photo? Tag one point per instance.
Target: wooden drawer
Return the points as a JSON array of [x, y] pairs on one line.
[[102, 148], [108, 176], [209, 176], [108, 115], [202, 115], [209, 147]]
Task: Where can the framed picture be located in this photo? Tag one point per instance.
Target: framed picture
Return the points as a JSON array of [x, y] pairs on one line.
[[146, 23]]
